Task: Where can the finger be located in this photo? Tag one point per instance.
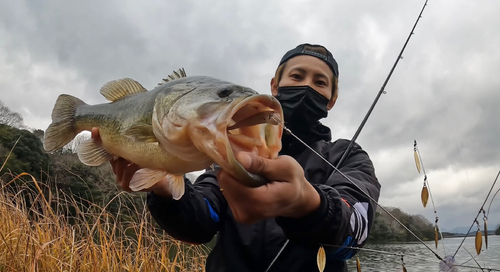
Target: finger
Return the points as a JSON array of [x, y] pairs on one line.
[[120, 165], [128, 173], [242, 200], [115, 161], [252, 163], [238, 193], [275, 169], [94, 134], [231, 188]]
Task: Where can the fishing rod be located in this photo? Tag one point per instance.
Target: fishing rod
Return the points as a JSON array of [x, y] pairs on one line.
[[356, 134], [359, 188], [382, 91], [475, 219], [492, 200], [486, 219], [473, 258]]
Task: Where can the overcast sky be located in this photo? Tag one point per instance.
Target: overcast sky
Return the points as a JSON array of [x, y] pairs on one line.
[[444, 93]]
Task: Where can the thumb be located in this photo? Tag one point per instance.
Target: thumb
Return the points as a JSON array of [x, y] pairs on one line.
[[252, 163], [244, 159], [275, 169]]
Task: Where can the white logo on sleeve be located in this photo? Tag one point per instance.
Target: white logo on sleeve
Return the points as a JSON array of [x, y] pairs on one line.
[[359, 222]]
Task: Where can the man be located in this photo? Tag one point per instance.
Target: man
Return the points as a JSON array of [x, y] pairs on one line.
[[306, 203]]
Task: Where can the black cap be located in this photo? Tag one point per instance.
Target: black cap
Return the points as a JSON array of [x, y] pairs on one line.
[[299, 50]]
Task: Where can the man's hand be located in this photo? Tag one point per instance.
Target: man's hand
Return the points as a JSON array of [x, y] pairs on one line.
[[125, 170], [288, 194]]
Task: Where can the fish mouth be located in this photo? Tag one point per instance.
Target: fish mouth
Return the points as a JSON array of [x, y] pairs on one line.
[[252, 124]]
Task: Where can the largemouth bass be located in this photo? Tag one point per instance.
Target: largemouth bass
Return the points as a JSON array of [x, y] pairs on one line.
[[184, 124]]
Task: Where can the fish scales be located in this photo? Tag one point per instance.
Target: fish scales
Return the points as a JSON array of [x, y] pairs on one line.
[[113, 118]]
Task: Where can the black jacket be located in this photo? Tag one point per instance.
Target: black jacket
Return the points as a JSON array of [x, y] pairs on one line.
[[344, 217]]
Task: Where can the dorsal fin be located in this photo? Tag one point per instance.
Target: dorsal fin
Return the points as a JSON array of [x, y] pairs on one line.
[[119, 88], [175, 75]]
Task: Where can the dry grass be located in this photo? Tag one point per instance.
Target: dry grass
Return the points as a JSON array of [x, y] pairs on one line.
[[37, 234]]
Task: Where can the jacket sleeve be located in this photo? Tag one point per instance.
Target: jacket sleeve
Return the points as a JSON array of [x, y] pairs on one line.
[[196, 216], [345, 215]]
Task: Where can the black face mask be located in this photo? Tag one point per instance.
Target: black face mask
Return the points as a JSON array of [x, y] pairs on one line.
[[302, 105]]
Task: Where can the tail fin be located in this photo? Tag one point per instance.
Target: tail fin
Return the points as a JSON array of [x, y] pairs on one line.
[[63, 128]]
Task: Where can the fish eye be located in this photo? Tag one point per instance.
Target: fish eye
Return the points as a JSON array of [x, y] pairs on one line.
[[224, 92]]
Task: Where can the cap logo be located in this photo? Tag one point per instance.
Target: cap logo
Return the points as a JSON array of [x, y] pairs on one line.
[[316, 54]]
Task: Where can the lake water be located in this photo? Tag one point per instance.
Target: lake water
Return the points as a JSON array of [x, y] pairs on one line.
[[419, 258]]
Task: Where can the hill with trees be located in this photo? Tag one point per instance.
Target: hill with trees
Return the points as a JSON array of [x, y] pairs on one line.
[[387, 230]]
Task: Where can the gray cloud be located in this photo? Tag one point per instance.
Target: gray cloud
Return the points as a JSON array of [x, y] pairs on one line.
[[444, 92]]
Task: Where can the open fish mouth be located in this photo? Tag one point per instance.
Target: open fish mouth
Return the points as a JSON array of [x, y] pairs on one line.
[[253, 125], [250, 123]]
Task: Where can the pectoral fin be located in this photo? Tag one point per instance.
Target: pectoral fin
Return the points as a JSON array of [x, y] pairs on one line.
[[177, 185], [92, 154], [141, 133], [145, 178]]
